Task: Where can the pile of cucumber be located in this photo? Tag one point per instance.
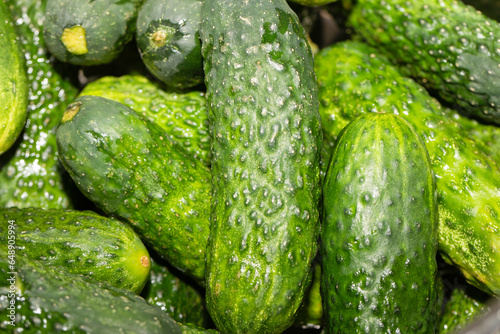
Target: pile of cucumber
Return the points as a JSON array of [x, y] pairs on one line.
[[248, 166]]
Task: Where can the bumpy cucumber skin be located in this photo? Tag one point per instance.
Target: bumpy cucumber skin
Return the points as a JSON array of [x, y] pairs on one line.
[[51, 300], [180, 298], [354, 79], [109, 25], [83, 242], [177, 61], [266, 138], [183, 116], [132, 170], [379, 230], [463, 307], [447, 46], [30, 172], [13, 82]]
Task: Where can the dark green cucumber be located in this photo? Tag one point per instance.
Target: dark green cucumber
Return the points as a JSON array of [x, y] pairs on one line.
[[83, 242], [490, 8], [353, 80], [30, 173], [266, 139], [182, 115], [13, 82], [132, 170], [177, 296], [447, 46], [379, 230], [88, 32], [465, 305], [51, 300], [168, 39]]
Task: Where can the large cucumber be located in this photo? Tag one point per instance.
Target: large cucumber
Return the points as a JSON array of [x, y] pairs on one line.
[[13, 82], [354, 79], [379, 230], [447, 46], [133, 170], [82, 242], [30, 173], [266, 138]]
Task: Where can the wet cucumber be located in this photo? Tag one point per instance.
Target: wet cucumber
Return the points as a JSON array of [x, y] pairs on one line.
[[30, 173], [51, 300], [88, 32], [132, 170], [13, 82], [266, 138], [82, 242], [379, 230], [354, 79], [450, 48], [182, 115], [168, 39]]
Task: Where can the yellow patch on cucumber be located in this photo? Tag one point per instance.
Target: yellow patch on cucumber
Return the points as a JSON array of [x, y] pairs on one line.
[[71, 111], [74, 40]]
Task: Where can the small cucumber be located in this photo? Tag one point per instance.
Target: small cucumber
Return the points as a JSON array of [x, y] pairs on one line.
[[83, 242], [133, 170], [51, 300], [168, 39], [379, 230], [89, 32], [182, 115], [13, 82], [266, 138]]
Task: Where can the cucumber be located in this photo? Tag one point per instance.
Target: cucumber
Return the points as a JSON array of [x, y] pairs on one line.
[[82, 242], [379, 230], [178, 296], [266, 139], [169, 42], [132, 170], [182, 115], [490, 8], [88, 32], [354, 79], [13, 82], [51, 300], [448, 47], [311, 313], [30, 173]]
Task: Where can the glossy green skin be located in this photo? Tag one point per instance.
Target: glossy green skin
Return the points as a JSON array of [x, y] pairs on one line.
[[463, 307], [379, 230], [109, 25], [183, 116], [83, 242], [447, 46], [30, 173], [132, 170], [266, 138], [13, 82], [353, 79], [176, 58], [178, 297], [193, 329], [51, 300]]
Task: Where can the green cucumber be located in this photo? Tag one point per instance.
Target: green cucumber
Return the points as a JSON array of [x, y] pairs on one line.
[[354, 79], [88, 32], [177, 296], [490, 8], [30, 173], [132, 170], [464, 306], [41, 299], [83, 242], [168, 39], [266, 139], [379, 230], [13, 82], [182, 115], [311, 313], [448, 47]]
